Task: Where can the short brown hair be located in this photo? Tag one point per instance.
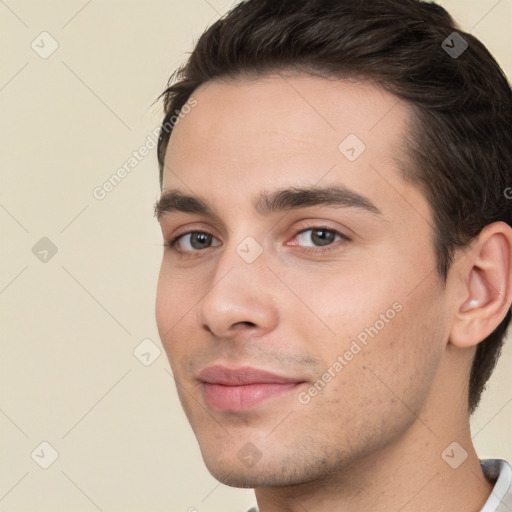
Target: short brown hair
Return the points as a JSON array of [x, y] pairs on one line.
[[460, 143]]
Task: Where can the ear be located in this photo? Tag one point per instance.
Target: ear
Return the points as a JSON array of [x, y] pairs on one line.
[[483, 285]]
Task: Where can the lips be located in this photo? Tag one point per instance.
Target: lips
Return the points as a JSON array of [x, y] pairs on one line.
[[242, 389]]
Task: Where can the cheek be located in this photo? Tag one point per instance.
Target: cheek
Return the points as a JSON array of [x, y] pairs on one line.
[[377, 294], [384, 385], [164, 310], [381, 326], [346, 300], [177, 293], [173, 307]]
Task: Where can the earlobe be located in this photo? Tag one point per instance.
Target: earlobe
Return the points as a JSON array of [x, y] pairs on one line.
[[485, 286]]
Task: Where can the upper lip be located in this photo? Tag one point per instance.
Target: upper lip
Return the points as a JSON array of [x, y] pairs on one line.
[[242, 376]]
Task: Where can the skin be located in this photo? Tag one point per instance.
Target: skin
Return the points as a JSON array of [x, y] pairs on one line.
[[372, 439]]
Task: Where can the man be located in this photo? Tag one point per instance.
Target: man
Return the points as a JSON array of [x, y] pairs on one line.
[[336, 282]]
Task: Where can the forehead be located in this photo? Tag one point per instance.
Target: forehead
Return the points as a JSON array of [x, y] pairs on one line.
[[280, 130], [286, 101]]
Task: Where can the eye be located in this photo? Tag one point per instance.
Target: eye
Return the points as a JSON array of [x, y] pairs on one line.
[[314, 238], [193, 241]]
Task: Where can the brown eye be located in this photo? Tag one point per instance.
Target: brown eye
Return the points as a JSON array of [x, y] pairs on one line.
[[193, 241], [322, 236], [318, 237]]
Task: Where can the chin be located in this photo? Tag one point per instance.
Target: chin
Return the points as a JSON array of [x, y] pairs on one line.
[[236, 478], [271, 470], [242, 469], [248, 478]]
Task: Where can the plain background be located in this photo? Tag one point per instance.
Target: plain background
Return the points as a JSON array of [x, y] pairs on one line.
[[70, 325]]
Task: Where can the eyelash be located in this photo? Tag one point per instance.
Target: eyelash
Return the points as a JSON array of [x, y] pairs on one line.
[[308, 250]]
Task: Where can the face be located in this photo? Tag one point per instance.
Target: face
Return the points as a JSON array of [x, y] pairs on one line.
[[298, 301]]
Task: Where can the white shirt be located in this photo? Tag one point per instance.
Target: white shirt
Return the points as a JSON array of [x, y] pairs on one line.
[[496, 470], [499, 472]]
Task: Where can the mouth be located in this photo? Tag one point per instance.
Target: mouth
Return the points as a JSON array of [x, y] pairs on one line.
[[242, 389]]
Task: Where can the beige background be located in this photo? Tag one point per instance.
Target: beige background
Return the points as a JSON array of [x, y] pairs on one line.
[[70, 325]]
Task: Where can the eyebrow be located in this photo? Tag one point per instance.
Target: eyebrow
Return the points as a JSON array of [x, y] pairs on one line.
[[268, 202]]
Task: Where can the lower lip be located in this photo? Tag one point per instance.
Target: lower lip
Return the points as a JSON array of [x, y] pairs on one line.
[[243, 398]]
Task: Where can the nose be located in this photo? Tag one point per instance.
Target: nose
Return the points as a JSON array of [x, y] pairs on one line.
[[241, 300]]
